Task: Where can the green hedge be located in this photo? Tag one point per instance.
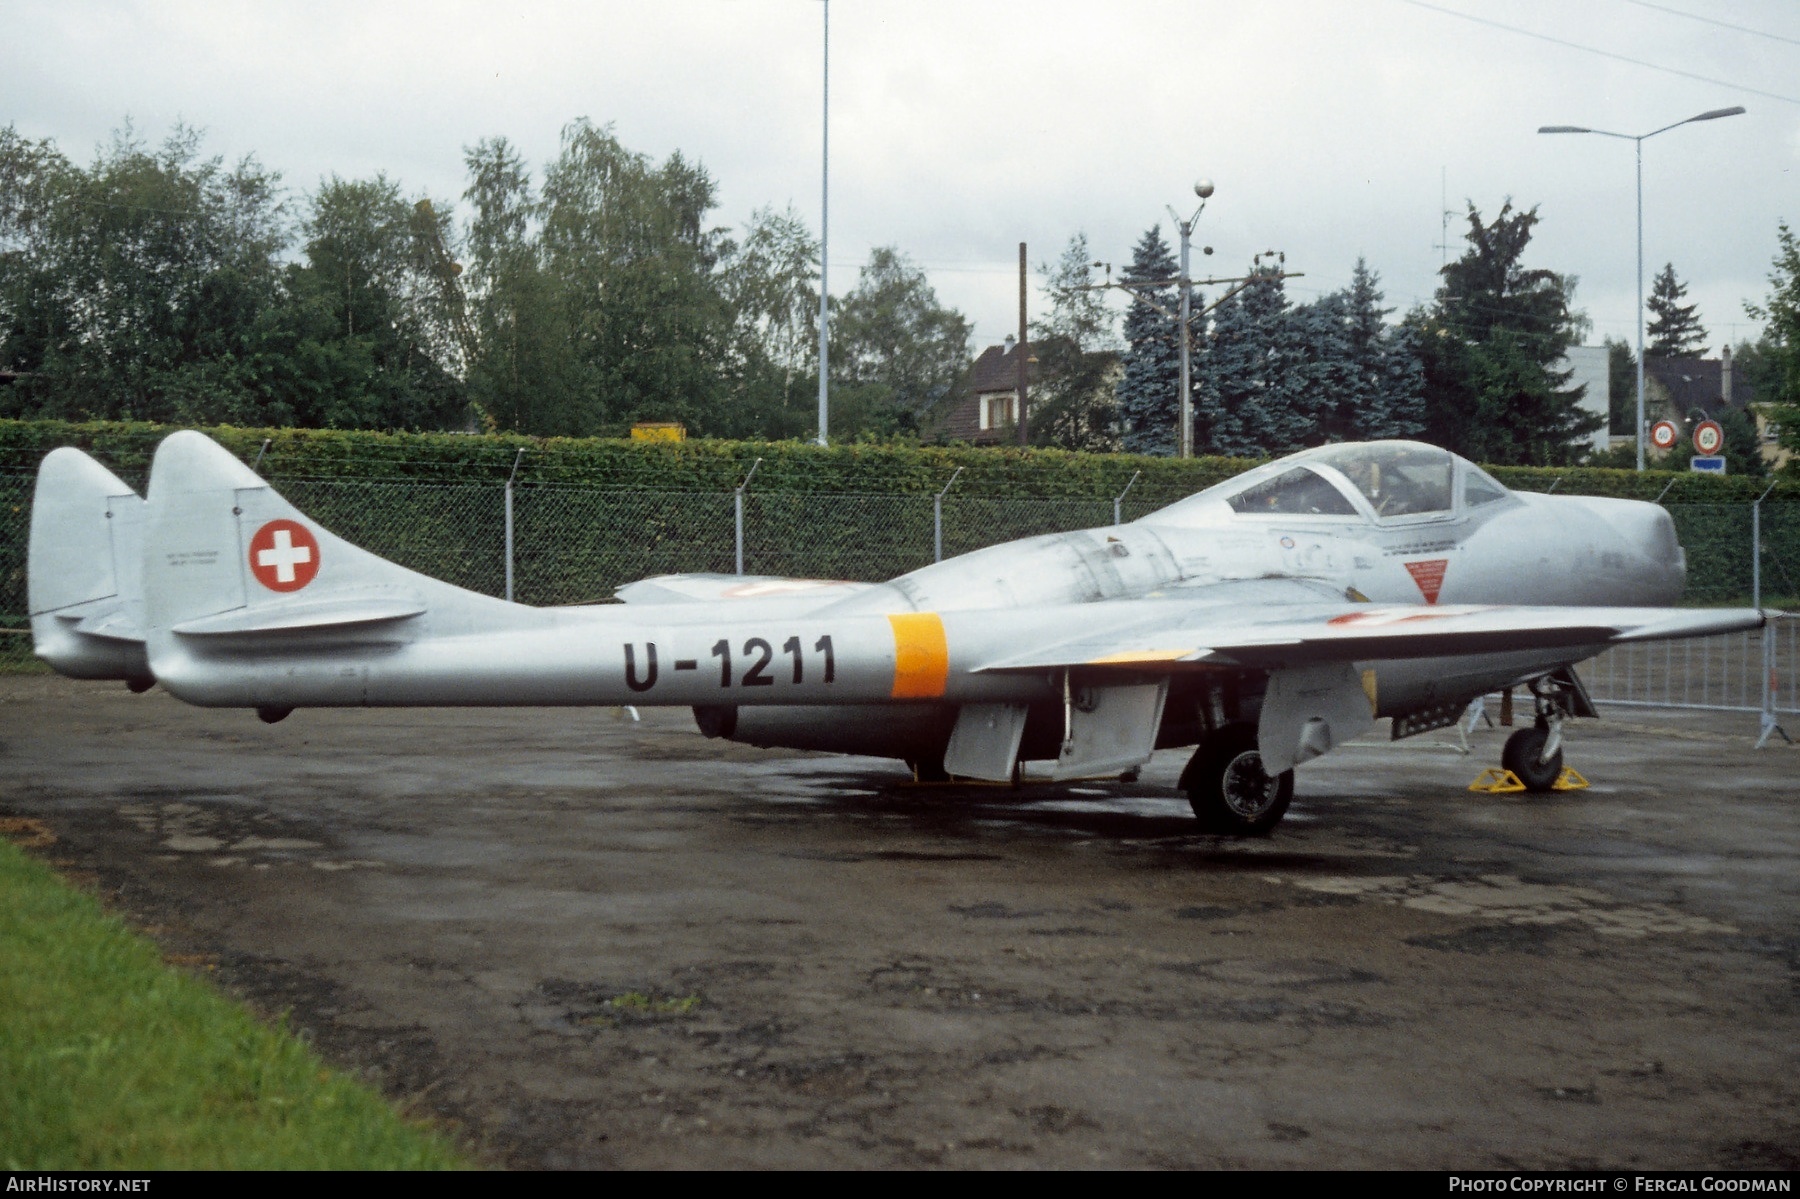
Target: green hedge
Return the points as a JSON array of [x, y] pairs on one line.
[[787, 466], [697, 465]]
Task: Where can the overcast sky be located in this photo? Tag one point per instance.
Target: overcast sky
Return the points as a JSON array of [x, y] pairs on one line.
[[959, 129]]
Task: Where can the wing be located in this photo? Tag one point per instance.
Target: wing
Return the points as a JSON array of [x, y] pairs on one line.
[[1196, 635]]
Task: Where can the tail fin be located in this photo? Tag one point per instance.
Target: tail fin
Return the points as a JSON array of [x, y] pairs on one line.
[[234, 573], [84, 571]]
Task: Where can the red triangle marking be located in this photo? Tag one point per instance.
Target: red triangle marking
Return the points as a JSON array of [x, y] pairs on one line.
[[1429, 575]]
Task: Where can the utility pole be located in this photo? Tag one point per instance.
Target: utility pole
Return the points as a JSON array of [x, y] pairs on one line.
[[1184, 318], [1024, 354]]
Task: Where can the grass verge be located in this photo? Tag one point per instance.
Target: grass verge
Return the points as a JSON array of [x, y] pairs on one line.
[[111, 1060]]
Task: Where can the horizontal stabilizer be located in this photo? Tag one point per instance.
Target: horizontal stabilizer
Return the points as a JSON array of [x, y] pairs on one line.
[[336, 613], [112, 623]]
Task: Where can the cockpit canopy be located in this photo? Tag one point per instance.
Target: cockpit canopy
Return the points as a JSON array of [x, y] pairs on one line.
[[1379, 480]]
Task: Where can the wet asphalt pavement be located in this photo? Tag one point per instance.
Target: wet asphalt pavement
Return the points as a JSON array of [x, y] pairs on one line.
[[588, 942]]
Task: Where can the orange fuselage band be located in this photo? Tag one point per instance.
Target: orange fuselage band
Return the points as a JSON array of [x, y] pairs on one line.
[[921, 655]]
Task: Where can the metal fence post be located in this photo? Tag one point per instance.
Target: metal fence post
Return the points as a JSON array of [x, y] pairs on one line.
[[519, 457], [1119, 499], [937, 518], [1768, 721], [738, 505]]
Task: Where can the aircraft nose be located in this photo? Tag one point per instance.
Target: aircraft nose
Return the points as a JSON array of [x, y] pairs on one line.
[[1658, 541]]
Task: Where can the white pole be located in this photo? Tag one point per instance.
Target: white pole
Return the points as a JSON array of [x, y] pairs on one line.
[[824, 244], [1639, 142], [1186, 439]]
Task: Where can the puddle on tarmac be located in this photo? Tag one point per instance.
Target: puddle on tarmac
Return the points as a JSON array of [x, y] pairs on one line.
[[1510, 900]]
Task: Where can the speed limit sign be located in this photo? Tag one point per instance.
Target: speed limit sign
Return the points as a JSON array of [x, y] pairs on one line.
[[1663, 434], [1708, 437]]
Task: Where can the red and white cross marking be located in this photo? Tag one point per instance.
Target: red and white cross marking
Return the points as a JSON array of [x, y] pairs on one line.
[[284, 555]]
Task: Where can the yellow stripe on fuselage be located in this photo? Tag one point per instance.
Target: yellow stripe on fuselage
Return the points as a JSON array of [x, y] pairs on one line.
[[921, 655], [1128, 657]]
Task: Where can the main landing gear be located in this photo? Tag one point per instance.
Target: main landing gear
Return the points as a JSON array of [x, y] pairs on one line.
[[1228, 788]]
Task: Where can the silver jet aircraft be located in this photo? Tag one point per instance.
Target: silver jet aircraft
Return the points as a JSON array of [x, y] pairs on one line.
[[1264, 621]]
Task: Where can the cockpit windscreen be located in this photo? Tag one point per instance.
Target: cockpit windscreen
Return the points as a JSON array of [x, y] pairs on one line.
[[1398, 479], [1294, 492]]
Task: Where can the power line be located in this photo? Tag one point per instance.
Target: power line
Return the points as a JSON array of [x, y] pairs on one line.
[[1774, 37], [1636, 62]]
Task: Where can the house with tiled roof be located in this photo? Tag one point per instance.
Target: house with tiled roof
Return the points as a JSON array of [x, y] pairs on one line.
[[988, 411], [1682, 389]]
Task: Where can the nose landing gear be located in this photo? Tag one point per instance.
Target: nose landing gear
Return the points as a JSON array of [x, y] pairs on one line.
[[1534, 756]]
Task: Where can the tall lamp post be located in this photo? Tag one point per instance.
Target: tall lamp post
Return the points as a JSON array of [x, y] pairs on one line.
[[1185, 443], [1639, 139], [1185, 314]]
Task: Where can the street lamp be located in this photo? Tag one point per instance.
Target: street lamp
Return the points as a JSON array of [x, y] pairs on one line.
[[1137, 289], [1639, 138], [1185, 443]]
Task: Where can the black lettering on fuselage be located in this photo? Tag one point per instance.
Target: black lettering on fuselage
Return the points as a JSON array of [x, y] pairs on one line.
[[631, 678]]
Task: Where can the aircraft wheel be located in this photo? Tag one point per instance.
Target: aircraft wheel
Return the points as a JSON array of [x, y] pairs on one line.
[[1520, 756], [1228, 788]]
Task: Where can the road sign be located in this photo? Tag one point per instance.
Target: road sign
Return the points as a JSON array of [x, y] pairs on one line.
[[1663, 434], [1711, 464], [1708, 437]]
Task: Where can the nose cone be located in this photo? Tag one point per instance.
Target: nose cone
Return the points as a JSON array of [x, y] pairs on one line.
[[1649, 536]]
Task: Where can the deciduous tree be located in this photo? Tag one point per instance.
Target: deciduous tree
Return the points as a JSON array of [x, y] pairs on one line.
[[1074, 405], [1778, 376], [897, 354]]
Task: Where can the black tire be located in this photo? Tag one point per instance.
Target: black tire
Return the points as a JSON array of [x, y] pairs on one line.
[[1521, 757], [1228, 788]]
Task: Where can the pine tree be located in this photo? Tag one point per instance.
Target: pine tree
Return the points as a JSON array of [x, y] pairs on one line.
[[1490, 343], [1675, 331], [1363, 376], [1149, 392], [1257, 395]]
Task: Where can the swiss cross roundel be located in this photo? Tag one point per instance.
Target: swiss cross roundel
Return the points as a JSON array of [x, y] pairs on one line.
[[284, 555]]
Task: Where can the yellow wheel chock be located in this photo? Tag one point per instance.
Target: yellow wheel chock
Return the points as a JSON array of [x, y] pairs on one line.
[[1495, 781]]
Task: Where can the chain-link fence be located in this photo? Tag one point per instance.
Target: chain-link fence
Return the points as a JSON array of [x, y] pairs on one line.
[[571, 544]]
